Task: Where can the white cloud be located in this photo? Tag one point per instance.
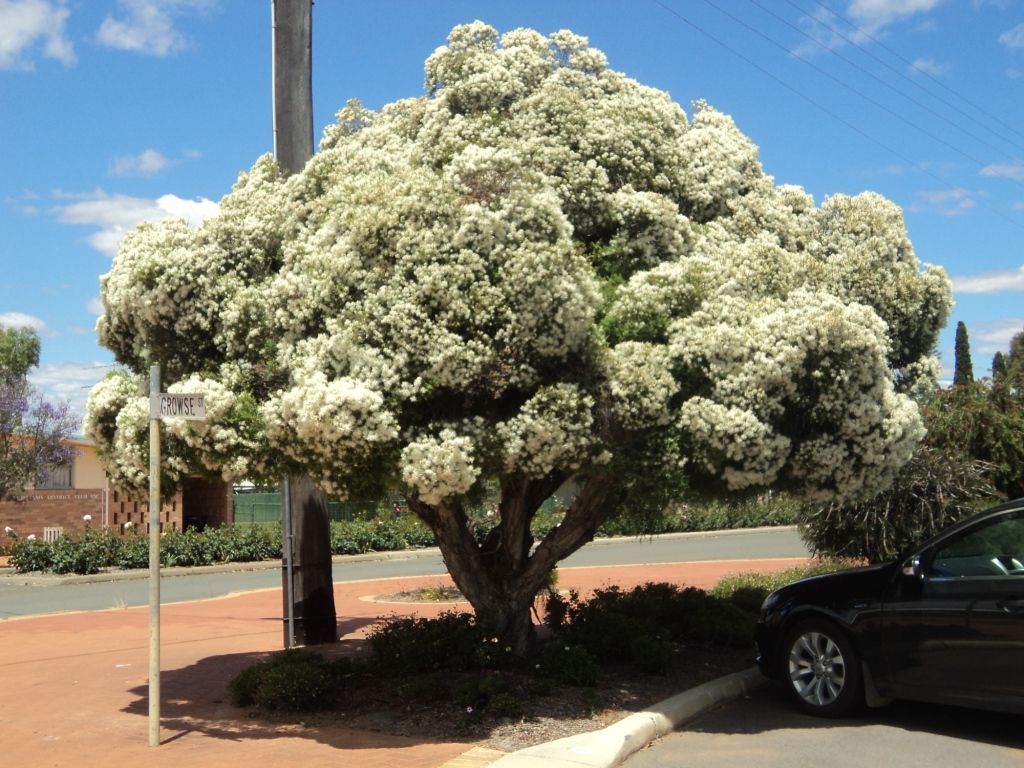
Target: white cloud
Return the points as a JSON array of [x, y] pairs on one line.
[[24, 24], [995, 281], [945, 202], [872, 15], [1014, 170], [69, 381], [146, 164], [928, 67], [94, 306], [994, 336], [19, 320], [1019, 205], [116, 214], [1013, 38], [147, 26]]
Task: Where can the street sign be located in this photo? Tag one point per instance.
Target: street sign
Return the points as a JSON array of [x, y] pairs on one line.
[[165, 405]]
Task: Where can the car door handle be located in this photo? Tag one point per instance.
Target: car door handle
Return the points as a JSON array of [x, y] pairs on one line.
[[1010, 604]]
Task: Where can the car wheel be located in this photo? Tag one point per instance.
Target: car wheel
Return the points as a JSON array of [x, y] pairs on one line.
[[821, 669]]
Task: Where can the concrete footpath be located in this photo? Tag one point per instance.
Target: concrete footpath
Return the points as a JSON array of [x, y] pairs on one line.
[[73, 686]]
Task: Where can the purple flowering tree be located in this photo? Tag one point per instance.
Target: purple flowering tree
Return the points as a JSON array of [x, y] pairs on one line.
[[32, 437]]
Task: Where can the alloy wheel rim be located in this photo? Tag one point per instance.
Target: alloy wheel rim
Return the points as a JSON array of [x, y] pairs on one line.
[[816, 669]]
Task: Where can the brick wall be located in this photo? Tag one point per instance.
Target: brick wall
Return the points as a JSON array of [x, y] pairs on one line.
[[65, 507], [207, 503], [123, 510], [36, 510]]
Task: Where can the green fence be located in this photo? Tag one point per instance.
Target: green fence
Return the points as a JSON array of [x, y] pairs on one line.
[[266, 508]]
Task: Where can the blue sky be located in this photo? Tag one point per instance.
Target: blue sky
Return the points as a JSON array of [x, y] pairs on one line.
[[115, 111]]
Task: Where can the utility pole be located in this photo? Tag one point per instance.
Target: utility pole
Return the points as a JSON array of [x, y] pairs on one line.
[[310, 616]]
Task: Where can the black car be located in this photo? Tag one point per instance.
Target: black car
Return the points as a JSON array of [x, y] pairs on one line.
[[944, 623]]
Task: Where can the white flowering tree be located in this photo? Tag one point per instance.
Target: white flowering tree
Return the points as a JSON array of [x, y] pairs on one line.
[[539, 271]]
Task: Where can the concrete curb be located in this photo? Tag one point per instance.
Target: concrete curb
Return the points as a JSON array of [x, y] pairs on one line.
[[44, 580], [611, 746]]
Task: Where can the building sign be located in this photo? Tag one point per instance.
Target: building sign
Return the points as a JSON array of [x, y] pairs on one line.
[[167, 406]]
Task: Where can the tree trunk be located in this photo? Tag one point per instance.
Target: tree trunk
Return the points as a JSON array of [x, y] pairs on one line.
[[315, 617], [500, 577]]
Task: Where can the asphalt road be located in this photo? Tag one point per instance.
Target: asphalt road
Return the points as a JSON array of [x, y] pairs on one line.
[[23, 596], [764, 731]]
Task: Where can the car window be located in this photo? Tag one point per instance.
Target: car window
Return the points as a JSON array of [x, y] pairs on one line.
[[993, 549]]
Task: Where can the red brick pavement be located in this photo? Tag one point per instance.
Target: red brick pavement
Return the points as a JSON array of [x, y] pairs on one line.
[[73, 686]]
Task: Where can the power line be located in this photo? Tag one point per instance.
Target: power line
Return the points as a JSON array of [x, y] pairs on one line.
[[832, 114], [857, 92], [874, 77], [910, 64]]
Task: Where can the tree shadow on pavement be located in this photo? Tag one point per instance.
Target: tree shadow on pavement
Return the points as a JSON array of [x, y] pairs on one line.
[[770, 710], [194, 699]]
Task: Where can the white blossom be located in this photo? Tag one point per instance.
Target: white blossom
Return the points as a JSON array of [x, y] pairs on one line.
[[532, 269]]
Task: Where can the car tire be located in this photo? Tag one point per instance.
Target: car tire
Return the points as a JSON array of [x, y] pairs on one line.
[[821, 670]]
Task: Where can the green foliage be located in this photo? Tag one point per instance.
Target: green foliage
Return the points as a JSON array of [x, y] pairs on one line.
[[381, 534], [490, 692], [592, 701], [239, 543], [100, 548], [296, 680], [506, 705], [448, 658], [984, 421], [566, 664], [999, 365], [19, 352], [934, 490], [763, 510], [29, 555], [455, 642], [973, 453], [964, 370], [1015, 359], [748, 590], [640, 625], [651, 655]]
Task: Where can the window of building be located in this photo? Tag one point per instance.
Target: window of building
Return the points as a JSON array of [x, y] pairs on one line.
[[60, 477]]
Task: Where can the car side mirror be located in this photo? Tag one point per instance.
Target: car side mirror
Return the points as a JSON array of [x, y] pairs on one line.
[[912, 567]]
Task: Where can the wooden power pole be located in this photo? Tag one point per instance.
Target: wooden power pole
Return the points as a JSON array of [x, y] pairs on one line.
[[310, 617]]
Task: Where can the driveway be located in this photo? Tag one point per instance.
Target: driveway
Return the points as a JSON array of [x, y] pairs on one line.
[[764, 731]]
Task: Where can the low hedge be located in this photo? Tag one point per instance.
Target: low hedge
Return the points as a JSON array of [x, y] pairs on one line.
[[452, 657], [101, 548]]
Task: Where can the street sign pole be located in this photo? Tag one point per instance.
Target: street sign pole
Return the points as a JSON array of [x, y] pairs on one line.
[[154, 561], [162, 405]]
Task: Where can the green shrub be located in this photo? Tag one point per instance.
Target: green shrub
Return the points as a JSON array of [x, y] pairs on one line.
[[480, 692], [592, 701], [133, 551], [566, 664], [748, 590], [506, 705], [611, 624], [934, 490], [651, 655], [382, 534], [30, 555], [295, 680], [765, 510], [453, 641]]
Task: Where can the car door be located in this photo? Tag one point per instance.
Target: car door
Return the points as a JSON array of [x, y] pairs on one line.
[[953, 628]]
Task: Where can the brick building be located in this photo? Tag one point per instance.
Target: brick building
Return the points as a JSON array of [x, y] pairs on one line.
[[84, 489]]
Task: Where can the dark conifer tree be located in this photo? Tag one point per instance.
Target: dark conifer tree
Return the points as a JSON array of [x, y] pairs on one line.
[[964, 371], [999, 365]]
